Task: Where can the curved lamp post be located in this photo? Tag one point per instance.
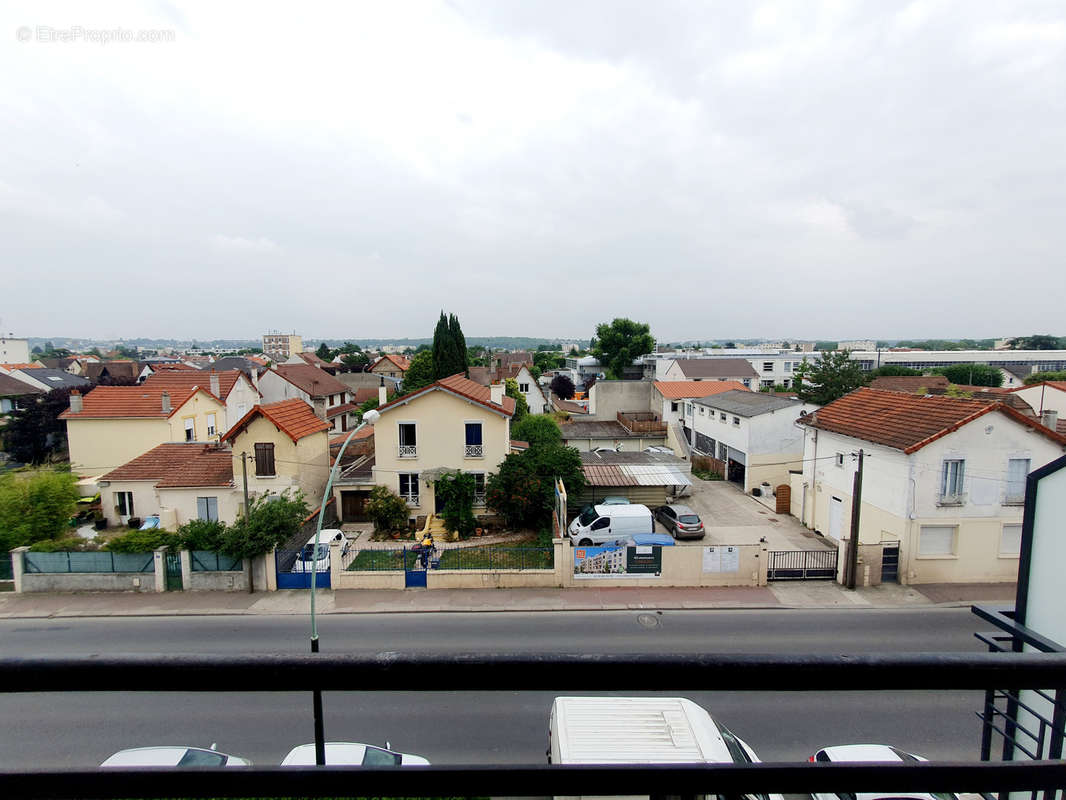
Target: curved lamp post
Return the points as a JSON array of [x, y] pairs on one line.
[[369, 418]]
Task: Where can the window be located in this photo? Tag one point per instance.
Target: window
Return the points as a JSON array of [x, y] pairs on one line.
[[124, 502], [768, 366], [1010, 540], [1017, 470], [788, 366], [332, 399], [721, 416], [207, 508], [475, 448], [840, 460], [408, 440], [479, 488], [264, 460], [523, 387], [951, 481], [767, 384], [211, 425], [190, 429], [936, 540], [673, 406], [723, 452], [688, 407], [747, 382], [702, 411], [409, 487], [600, 524], [736, 421]]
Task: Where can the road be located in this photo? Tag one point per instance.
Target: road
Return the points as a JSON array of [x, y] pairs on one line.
[[81, 729]]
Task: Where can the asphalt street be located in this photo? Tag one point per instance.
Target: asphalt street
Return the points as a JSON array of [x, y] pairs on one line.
[[82, 728]]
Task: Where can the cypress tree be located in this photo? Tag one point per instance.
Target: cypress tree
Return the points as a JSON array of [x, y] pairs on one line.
[[462, 360]]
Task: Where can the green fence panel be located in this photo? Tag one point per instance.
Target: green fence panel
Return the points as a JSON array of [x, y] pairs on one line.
[[210, 561], [6, 571], [101, 561]]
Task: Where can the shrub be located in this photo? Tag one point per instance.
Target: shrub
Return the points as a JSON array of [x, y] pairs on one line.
[[35, 508], [523, 490], [68, 543], [456, 489], [706, 475], [387, 510], [537, 429], [202, 534], [144, 541]]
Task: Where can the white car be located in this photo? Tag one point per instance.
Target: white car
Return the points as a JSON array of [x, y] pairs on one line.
[[352, 754], [873, 752], [174, 756], [307, 561]]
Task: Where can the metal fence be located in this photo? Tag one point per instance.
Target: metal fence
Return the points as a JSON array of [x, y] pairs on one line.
[[101, 561], [486, 558], [6, 572], [377, 560], [210, 561], [787, 565]]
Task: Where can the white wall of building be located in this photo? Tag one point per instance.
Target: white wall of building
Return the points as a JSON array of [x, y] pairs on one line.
[[1042, 398], [14, 351]]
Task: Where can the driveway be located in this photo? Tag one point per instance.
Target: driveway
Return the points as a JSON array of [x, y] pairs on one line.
[[731, 517]]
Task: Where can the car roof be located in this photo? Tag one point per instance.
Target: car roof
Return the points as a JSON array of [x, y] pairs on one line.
[[680, 509], [861, 752], [325, 535], [622, 510], [336, 753]]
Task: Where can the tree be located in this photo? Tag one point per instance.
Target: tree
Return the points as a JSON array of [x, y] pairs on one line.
[[456, 332], [202, 534], [619, 343], [972, 374], [324, 352], [523, 491], [562, 387], [521, 407], [449, 348], [828, 378], [1036, 342], [35, 432], [272, 520], [1040, 377], [387, 510], [544, 361], [35, 508], [537, 429], [372, 403], [892, 371], [456, 491], [420, 373]]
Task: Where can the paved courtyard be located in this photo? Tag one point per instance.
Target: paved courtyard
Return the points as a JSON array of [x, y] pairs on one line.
[[731, 517]]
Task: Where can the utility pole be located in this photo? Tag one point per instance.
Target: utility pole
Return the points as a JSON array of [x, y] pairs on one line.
[[244, 469], [852, 565]]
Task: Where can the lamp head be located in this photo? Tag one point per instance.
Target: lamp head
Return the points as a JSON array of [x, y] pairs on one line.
[[371, 416]]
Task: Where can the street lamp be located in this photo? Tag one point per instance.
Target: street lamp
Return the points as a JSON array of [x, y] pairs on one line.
[[369, 418]]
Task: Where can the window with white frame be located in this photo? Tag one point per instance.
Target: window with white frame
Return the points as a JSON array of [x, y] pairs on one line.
[[409, 487], [523, 388], [736, 421], [767, 384], [475, 447], [788, 366], [479, 488], [951, 480], [673, 406], [768, 366], [1010, 540], [721, 416], [211, 425], [207, 508], [840, 460], [124, 503], [937, 540], [1017, 470], [190, 429], [408, 438], [702, 411], [723, 452]]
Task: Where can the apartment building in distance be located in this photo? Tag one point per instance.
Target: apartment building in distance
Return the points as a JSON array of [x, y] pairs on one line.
[[279, 347]]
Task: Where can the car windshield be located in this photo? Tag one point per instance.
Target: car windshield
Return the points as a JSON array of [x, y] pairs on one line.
[[588, 515], [376, 757], [202, 758], [323, 552], [689, 519]]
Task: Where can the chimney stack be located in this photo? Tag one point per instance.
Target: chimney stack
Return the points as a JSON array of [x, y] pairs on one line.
[[319, 404], [255, 378], [1049, 419], [75, 401], [166, 402], [496, 394], [383, 393], [215, 388]]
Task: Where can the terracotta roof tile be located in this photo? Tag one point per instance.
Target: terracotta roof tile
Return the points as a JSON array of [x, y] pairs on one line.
[[132, 401], [13, 387], [314, 381], [678, 390], [293, 417], [227, 379], [365, 433], [343, 408], [402, 362], [460, 385], [912, 384], [179, 465], [906, 422]]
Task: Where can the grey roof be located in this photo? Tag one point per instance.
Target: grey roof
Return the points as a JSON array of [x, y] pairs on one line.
[[56, 378], [747, 404], [13, 387], [632, 458], [716, 368], [601, 430], [232, 362]]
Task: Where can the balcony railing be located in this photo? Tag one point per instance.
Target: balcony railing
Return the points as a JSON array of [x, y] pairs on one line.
[[479, 499], [412, 499], [509, 672], [641, 422], [474, 451], [408, 451]]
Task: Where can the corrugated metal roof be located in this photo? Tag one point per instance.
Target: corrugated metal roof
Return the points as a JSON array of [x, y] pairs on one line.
[[634, 475], [607, 475]]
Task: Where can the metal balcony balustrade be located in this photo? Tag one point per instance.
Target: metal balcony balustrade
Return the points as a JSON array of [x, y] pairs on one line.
[[474, 451], [523, 672], [407, 451]]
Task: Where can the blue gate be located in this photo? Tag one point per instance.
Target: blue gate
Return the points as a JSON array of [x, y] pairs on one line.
[[295, 572], [414, 571]]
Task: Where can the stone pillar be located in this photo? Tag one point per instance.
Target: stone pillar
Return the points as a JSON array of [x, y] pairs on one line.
[[564, 562], [336, 566], [764, 563], [18, 566], [270, 571], [160, 562], [186, 568]]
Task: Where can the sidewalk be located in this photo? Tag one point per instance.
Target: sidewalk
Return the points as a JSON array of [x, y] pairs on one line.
[[784, 595]]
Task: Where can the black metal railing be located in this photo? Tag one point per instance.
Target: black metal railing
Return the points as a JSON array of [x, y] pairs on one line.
[[509, 672]]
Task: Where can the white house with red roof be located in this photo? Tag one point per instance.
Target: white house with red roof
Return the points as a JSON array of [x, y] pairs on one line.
[[943, 483], [231, 386], [329, 398], [1044, 397], [112, 425]]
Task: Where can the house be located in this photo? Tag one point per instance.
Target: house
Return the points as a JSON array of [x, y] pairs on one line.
[[754, 434], [943, 481], [251, 369], [505, 361], [15, 394], [320, 390], [179, 481], [391, 365], [112, 425], [313, 360], [14, 351], [1045, 396], [669, 397], [364, 385], [232, 387], [713, 369], [630, 432], [452, 424], [520, 374], [652, 478], [281, 446], [49, 379], [104, 371]]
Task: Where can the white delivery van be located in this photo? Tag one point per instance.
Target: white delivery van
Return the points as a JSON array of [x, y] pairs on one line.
[[641, 730], [605, 523]]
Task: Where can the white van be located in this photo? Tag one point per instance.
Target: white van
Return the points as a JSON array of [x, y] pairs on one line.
[[641, 730], [605, 523], [307, 560]]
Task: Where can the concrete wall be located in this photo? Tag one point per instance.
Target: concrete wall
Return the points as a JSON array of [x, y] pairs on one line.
[[89, 582], [628, 444], [1044, 398], [183, 502], [226, 581], [607, 398], [369, 580]]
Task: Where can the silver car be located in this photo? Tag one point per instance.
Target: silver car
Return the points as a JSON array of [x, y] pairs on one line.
[[680, 521]]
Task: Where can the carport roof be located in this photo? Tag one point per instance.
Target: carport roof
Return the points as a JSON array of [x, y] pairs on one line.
[[635, 475]]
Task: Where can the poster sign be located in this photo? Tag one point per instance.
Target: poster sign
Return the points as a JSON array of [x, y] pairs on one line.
[[720, 558], [618, 561]]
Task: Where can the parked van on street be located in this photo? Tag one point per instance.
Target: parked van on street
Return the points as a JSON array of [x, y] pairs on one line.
[[605, 523]]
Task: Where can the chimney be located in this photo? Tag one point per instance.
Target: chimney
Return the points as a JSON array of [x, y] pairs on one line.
[[383, 393], [320, 407], [496, 394], [75, 401], [215, 389], [166, 402], [1049, 419], [255, 379]]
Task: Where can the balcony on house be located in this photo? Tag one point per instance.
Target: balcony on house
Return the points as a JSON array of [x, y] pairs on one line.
[[642, 422], [474, 447], [408, 447]]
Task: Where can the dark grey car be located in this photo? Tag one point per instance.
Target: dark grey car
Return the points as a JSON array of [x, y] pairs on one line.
[[680, 521]]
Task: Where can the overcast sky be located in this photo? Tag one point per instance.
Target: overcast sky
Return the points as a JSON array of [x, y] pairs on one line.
[[719, 169]]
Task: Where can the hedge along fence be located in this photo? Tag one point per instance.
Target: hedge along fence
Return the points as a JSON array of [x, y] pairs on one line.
[[99, 561], [485, 558], [210, 561]]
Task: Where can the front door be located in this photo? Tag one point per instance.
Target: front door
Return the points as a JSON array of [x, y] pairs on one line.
[[836, 518], [173, 571], [353, 506], [438, 502]]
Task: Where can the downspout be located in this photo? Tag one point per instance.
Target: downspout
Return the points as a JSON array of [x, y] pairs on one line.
[[814, 481], [912, 490]]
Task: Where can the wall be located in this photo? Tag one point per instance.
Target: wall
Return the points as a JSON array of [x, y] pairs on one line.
[[275, 389], [535, 398], [650, 496], [101, 445], [440, 435], [14, 351], [607, 398], [198, 407], [145, 500], [183, 502], [625, 444], [88, 582], [299, 465], [1044, 398], [238, 402], [368, 580]]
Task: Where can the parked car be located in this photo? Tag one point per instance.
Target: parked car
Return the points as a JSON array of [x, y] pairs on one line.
[[872, 752], [643, 540], [174, 756], [680, 521], [598, 524], [352, 754], [308, 562]]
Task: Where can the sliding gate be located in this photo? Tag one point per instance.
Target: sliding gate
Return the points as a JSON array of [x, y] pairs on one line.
[[800, 565]]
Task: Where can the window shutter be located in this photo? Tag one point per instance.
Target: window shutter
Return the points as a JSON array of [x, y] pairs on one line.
[[201, 508], [1010, 542], [936, 540], [264, 458]]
